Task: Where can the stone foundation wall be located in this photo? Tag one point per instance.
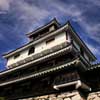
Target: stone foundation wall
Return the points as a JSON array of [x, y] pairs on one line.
[[74, 95], [94, 96]]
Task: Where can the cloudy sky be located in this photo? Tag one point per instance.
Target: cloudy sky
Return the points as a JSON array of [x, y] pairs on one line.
[[18, 17]]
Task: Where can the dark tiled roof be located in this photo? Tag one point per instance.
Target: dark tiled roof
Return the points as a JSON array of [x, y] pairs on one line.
[[69, 64], [94, 66], [54, 21]]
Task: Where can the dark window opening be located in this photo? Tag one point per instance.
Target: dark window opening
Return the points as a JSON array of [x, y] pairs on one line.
[[66, 36], [31, 50], [35, 36], [82, 52], [16, 56], [50, 40], [44, 31], [55, 26]]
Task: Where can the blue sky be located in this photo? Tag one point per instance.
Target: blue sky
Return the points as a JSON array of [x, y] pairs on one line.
[[18, 17]]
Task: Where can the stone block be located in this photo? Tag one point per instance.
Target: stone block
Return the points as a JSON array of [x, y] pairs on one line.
[[67, 99], [52, 98], [52, 95], [97, 98], [92, 96], [45, 97], [77, 97], [62, 96], [59, 98], [71, 94]]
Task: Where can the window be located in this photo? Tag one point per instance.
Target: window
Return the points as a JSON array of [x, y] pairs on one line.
[[50, 40], [66, 36], [31, 50], [16, 56], [82, 52]]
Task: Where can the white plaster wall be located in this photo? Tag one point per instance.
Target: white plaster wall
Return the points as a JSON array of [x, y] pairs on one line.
[[40, 47], [23, 55], [10, 61], [59, 38]]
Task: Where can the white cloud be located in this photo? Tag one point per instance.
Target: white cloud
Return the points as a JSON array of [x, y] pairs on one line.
[[95, 50], [92, 29], [32, 14], [5, 4], [76, 14], [95, 2], [69, 9], [55, 8]]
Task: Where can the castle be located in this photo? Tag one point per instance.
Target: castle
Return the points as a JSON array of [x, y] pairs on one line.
[[55, 65]]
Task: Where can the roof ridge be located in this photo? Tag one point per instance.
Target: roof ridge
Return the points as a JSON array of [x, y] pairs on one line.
[[98, 63], [54, 20], [94, 66]]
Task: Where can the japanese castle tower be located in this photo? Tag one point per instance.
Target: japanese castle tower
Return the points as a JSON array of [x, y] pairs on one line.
[[54, 64]]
